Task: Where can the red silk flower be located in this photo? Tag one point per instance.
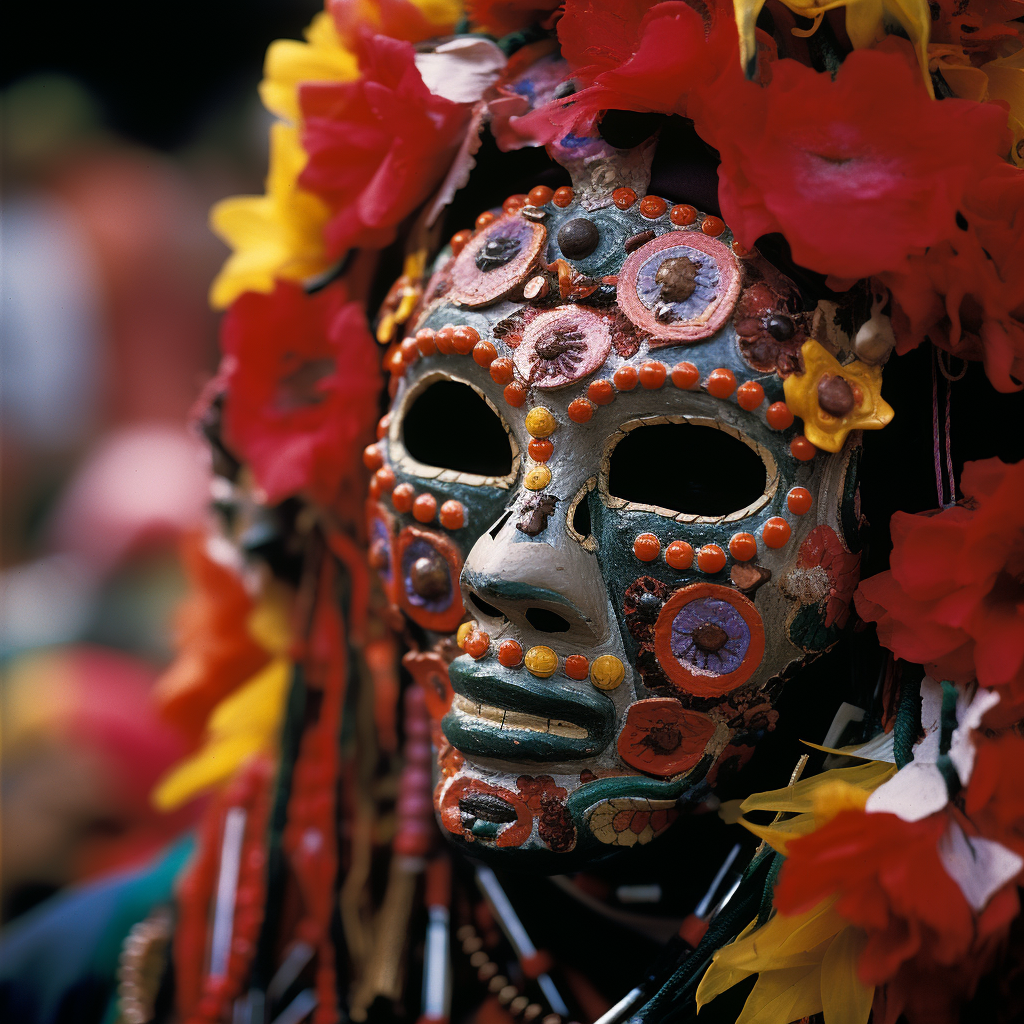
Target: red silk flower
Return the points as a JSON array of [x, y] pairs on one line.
[[378, 146], [503, 16], [994, 800], [398, 19], [303, 380], [953, 598]]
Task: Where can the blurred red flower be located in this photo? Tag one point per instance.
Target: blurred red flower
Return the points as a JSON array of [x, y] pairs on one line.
[[398, 19], [953, 598], [303, 381], [503, 16], [377, 146], [994, 800]]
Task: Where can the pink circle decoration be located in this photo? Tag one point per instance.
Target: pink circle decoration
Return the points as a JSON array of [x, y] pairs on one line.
[[496, 260], [561, 346], [706, 287]]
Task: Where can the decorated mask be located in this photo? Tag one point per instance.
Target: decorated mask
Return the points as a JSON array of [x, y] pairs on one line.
[[594, 501]]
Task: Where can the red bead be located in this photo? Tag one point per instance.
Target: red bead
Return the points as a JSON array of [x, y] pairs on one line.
[[743, 546], [402, 496], [623, 198], [626, 378], [540, 195], [445, 340], [740, 250], [372, 457], [514, 203], [424, 508], [721, 383], [393, 361], [563, 196], [601, 392], [515, 394], [652, 207], [802, 449], [577, 666], [682, 215], [540, 449], [580, 410], [464, 339], [459, 240], [711, 558], [749, 395], [652, 375], [501, 370], [510, 653], [382, 425], [685, 375], [385, 478], [779, 416], [484, 353], [647, 547], [477, 643], [712, 226], [484, 219], [775, 532], [425, 341], [799, 501], [410, 351], [452, 515], [679, 554]]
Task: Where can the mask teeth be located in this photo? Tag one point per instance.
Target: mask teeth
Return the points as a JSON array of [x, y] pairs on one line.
[[516, 720]]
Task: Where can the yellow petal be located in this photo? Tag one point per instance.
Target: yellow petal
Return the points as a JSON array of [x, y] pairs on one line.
[[799, 798], [845, 998], [213, 764], [255, 706], [747, 12], [780, 997]]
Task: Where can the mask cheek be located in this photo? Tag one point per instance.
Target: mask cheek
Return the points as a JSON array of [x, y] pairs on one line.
[[427, 566]]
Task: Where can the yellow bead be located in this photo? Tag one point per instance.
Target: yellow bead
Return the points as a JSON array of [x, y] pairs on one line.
[[540, 422], [607, 672], [541, 661], [464, 630], [537, 478]]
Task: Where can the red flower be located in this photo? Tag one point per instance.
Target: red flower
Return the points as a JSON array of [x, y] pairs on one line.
[[994, 800], [398, 19], [923, 939], [853, 192], [662, 737], [826, 574], [953, 599], [303, 380], [377, 146], [534, 790], [503, 16]]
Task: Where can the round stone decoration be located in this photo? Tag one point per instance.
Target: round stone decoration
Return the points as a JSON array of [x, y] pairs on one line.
[[496, 260]]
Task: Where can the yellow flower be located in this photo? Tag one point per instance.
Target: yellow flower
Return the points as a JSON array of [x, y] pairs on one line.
[[279, 234], [833, 399], [865, 23]]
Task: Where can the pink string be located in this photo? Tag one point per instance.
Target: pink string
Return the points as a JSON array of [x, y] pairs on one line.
[[940, 442]]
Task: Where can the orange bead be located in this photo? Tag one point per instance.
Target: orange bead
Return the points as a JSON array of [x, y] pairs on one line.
[[721, 382], [779, 416], [601, 392], [484, 353], [802, 449], [373, 458], [402, 496], [743, 546], [740, 250], [580, 410], [424, 508], [425, 341], [679, 554], [385, 478], [775, 532], [515, 394], [540, 449], [477, 643], [685, 375], [515, 203], [501, 370], [626, 378], [712, 226], [711, 558], [623, 198], [459, 240], [799, 501], [510, 653], [563, 196], [750, 395], [577, 666], [382, 425], [540, 195], [452, 515], [464, 339], [652, 207], [484, 219], [682, 215], [393, 361], [410, 351], [647, 547], [652, 375], [444, 339]]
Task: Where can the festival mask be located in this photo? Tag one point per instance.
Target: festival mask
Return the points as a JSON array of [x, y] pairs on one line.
[[596, 505]]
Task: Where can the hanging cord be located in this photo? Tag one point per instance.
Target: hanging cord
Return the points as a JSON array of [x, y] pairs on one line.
[[942, 441]]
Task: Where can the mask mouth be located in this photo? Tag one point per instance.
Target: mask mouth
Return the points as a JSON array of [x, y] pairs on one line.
[[517, 717]]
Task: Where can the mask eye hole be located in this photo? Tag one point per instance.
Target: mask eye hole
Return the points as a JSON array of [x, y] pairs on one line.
[[449, 425], [686, 468]]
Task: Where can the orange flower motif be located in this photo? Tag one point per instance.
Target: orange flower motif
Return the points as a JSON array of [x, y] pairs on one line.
[[662, 737]]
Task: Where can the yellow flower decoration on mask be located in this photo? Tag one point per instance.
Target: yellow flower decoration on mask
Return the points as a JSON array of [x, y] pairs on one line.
[[833, 399]]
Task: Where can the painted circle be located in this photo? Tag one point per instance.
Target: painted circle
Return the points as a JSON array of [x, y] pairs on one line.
[[561, 346], [441, 614], [661, 737], [474, 286], [709, 639]]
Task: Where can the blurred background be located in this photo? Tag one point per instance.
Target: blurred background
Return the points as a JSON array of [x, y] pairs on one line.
[[121, 124]]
